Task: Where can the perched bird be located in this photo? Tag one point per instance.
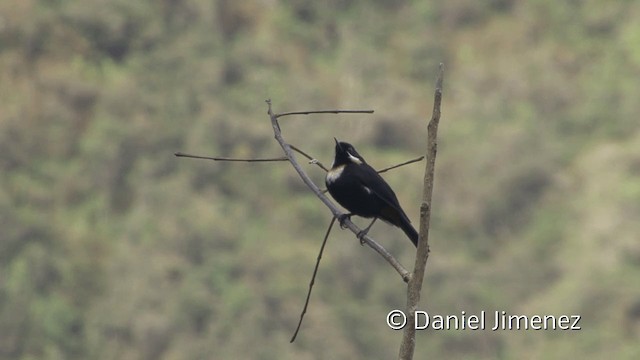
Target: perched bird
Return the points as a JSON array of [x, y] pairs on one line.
[[362, 191]]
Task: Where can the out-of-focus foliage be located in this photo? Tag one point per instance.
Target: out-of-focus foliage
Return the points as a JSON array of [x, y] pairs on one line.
[[112, 248]]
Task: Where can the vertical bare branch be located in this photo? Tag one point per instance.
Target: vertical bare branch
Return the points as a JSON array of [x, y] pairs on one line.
[[414, 287]]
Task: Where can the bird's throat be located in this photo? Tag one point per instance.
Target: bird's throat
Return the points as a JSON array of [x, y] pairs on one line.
[[334, 174]]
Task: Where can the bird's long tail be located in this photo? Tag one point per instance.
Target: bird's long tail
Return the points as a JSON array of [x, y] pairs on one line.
[[408, 229]]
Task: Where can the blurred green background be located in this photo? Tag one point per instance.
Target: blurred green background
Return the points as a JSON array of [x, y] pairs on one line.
[[112, 248]]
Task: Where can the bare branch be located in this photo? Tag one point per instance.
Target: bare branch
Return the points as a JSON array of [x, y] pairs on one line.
[[313, 279], [317, 162], [325, 112], [336, 212], [414, 287], [179, 154], [401, 164], [311, 159]]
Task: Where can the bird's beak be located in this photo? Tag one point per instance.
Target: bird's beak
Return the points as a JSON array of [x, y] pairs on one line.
[[337, 143]]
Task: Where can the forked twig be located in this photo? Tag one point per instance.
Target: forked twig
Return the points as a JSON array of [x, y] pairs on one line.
[[334, 210], [313, 279], [287, 148]]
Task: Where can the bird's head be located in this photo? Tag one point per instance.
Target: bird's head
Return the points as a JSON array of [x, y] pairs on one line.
[[346, 154]]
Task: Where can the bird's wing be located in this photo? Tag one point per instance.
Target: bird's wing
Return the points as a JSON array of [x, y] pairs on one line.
[[380, 188]]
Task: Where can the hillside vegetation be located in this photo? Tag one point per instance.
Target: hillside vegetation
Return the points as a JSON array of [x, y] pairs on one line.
[[112, 248]]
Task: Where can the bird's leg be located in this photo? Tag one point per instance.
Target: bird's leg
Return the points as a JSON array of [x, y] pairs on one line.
[[343, 217], [364, 232]]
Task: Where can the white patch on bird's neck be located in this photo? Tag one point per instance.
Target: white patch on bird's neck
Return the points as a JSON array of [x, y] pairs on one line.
[[334, 174], [354, 159]]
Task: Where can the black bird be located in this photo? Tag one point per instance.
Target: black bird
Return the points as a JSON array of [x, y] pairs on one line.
[[362, 191]]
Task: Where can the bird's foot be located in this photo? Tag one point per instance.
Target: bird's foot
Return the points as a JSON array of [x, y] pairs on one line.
[[364, 232], [360, 235], [342, 218]]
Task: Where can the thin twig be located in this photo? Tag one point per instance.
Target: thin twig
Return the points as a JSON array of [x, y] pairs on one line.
[[401, 164], [311, 159], [324, 112], [414, 287], [334, 210], [179, 154], [313, 279]]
